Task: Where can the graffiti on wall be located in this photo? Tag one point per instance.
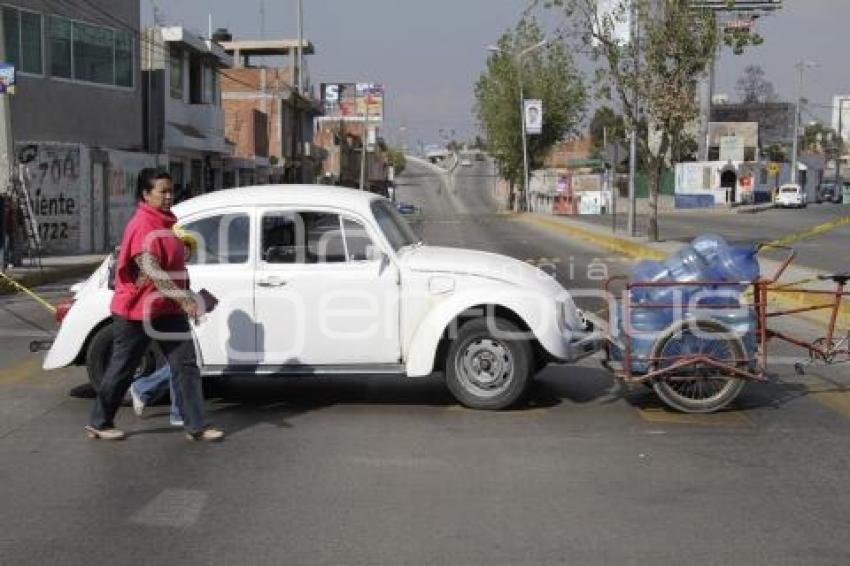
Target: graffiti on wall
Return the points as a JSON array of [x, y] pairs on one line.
[[53, 179], [124, 169]]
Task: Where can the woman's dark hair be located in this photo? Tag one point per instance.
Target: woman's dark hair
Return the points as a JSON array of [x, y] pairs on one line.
[[147, 179]]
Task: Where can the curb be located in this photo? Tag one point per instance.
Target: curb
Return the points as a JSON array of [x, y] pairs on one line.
[[48, 275], [638, 251], [612, 243]]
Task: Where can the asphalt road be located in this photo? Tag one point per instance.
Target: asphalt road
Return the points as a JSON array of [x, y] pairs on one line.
[[829, 251], [384, 471]]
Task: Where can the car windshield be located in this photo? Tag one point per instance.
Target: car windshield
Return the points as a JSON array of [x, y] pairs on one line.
[[789, 189], [395, 228]]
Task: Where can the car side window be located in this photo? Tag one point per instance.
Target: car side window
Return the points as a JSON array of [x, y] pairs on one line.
[[222, 239], [302, 237], [357, 240]]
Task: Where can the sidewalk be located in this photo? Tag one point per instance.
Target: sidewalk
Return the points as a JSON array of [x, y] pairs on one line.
[[639, 248], [54, 269]]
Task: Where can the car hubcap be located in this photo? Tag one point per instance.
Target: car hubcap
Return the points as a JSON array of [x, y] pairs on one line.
[[485, 367]]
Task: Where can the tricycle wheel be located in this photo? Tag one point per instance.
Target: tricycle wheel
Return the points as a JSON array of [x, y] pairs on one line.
[[489, 365], [698, 388]]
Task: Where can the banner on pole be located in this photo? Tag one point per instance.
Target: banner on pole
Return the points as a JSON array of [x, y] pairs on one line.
[[533, 116]]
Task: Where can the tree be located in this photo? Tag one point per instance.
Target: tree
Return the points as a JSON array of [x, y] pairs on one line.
[[655, 76], [396, 158], [819, 138], [548, 74], [606, 123], [754, 88]]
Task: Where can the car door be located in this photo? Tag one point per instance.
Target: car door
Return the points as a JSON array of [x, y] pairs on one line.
[[223, 265], [323, 297]]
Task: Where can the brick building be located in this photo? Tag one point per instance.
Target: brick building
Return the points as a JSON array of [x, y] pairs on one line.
[[268, 121]]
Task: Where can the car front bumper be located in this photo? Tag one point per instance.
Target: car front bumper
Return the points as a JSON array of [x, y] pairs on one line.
[[585, 342]]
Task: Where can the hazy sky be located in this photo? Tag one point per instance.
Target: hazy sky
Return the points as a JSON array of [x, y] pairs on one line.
[[429, 53]]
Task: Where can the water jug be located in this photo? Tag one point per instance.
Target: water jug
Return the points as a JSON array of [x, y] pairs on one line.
[[645, 327], [727, 262]]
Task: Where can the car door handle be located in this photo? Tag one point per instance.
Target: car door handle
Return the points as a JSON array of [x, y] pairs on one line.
[[271, 282]]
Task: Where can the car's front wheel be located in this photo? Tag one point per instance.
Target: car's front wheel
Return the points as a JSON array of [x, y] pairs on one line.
[[490, 364], [100, 352]]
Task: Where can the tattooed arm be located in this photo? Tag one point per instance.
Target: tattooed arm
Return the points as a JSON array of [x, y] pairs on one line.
[[149, 268]]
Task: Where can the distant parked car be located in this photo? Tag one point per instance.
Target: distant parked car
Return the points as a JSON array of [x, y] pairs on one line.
[[406, 208], [791, 195], [828, 191], [466, 162]]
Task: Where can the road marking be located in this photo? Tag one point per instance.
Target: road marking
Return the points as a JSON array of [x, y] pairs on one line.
[[663, 416], [809, 232], [172, 508], [20, 371]]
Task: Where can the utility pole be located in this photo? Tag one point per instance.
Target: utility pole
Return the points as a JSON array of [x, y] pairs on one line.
[[632, 224], [363, 141], [794, 148], [839, 187], [7, 141], [524, 137], [300, 46]]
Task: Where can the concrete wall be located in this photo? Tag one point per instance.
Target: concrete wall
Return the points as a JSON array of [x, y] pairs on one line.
[[81, 197], [59, 110]]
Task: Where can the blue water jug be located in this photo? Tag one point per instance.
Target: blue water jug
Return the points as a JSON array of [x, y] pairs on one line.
[[727, 262], [645, 327]]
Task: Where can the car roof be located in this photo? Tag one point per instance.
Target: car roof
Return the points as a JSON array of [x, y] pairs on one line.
[[790, 186], [279, 195]]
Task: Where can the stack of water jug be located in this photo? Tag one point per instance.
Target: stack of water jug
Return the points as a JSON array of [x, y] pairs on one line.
[[709, 258]]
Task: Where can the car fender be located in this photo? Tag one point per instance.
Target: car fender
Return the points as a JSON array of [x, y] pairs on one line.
[[537, 311], [88, 312]]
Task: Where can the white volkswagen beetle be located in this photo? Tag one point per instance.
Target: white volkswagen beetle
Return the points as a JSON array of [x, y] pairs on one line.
[[318, 280]]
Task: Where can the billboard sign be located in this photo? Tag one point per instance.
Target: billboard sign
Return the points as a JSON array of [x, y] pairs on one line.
[[533, 117], [352, 101]]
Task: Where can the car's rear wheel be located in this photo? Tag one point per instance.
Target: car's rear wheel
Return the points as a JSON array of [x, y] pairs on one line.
[[100, 352], [489, 365]]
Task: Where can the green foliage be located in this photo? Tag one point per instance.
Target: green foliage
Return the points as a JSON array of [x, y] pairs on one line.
[[820, 138], [396, 158], [607, 123], [654, 77], [548, 74]]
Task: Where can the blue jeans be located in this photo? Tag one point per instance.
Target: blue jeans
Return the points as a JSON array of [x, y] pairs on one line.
[[129, 342], [151, 390]]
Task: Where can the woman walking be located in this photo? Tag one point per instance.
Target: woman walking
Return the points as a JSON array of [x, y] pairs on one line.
[[152, 302]]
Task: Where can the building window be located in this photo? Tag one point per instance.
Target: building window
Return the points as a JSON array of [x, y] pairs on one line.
[[60, 47], [175, 65], [209, 84], [23, 32], [93, 54], [123, 59], [90, 53]]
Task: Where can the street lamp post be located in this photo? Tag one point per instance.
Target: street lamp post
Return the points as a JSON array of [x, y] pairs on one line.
[[801, 66], [518, 62], [840, 145]]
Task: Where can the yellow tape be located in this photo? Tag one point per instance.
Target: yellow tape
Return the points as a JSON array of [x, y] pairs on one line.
[[15, 285], [809, 232]]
